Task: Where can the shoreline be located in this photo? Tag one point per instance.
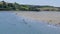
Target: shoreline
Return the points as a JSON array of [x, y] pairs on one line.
[[36, 16]]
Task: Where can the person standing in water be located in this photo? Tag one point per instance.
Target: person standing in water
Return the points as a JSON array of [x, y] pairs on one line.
[[24, 21]]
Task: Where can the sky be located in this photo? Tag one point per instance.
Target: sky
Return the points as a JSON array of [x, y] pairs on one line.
[[37, 2]]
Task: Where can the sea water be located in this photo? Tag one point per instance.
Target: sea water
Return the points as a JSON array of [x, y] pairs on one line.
[[10, 23]]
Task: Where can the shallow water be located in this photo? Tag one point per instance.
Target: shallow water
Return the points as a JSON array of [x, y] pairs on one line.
[[10, 23]]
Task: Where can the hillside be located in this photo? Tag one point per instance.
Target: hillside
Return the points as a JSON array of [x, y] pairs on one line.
[[20, 7]]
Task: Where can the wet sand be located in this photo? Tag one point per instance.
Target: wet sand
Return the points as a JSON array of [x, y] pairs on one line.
[[49, 17]]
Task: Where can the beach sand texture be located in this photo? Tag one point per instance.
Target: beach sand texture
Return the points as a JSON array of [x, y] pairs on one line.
[[49, 17]]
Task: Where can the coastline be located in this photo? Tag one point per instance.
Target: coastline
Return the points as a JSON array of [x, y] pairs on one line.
[[48, 18]]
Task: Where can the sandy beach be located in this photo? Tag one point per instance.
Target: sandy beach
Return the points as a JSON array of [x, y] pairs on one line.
[[49, 17]]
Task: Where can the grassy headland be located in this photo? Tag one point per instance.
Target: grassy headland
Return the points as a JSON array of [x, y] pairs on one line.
[[20, 7]]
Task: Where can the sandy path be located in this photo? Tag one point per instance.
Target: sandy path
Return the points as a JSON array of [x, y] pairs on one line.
[[50, 17]]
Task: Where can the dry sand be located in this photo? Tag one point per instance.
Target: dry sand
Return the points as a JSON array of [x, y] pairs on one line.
[[49, 17]]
